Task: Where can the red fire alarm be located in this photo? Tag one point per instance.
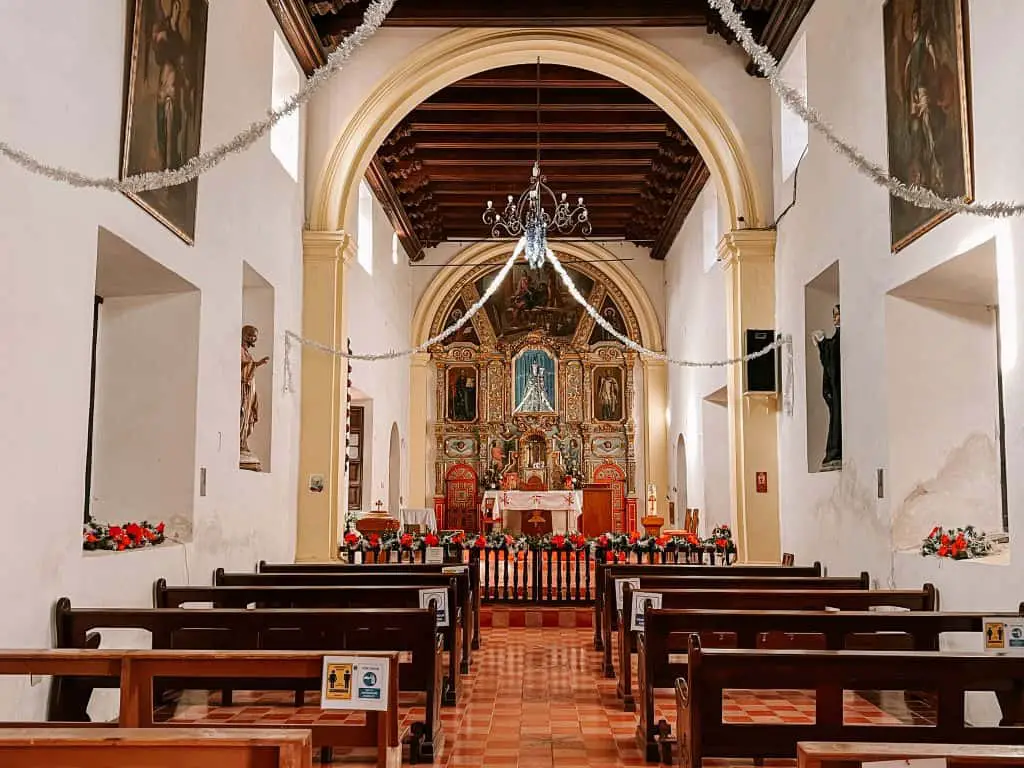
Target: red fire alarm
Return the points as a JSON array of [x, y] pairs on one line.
[[762, 482]]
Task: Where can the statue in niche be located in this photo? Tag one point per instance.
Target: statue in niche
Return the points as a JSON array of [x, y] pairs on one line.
[[250, 409], [831, 391]]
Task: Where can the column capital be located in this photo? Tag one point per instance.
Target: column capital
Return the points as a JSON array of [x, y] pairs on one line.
[[652, 363], [322, 245], [419, 359], [742, 245]]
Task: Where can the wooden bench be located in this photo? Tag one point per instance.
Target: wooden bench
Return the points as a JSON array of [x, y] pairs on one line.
[[414, 568], [135, 674], [663, 646], [149, 747], [410, 631], [924, 599], [832, 754], [364, 578], [661, 582], [608, 572], [710, 672]]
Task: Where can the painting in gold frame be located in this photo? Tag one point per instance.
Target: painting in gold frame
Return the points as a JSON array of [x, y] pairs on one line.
[[928, 111], [166, 50]]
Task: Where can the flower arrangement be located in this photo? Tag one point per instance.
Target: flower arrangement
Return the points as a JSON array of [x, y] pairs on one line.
[[721, 540], [117, 538], [956, 544]]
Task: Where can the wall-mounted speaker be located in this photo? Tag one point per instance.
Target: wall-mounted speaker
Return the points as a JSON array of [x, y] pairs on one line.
[[762, 373]]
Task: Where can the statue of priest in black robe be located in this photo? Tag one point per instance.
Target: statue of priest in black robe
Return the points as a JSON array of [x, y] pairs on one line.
[[831, 391]]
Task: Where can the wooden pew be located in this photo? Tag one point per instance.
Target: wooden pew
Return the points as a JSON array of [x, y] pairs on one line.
[[472, 568], [365, 578], [924, 599], [392, 596], [335, 630], [829, 673], [660, 582], [605, 572], [151, 747], [663, 646], [135, 674], [833, 754]]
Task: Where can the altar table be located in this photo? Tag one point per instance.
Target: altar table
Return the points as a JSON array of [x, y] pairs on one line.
[[511, 509], [423, 517]]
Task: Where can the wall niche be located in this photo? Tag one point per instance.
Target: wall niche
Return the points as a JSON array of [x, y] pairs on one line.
[[258, 312], [821, 298]]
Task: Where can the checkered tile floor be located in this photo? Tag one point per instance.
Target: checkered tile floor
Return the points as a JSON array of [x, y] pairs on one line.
[[536, 698]]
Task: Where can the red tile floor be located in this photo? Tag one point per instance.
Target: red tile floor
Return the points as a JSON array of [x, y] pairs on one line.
[[536, 698]]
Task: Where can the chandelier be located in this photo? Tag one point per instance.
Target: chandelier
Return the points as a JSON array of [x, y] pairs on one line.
[[528, 219]]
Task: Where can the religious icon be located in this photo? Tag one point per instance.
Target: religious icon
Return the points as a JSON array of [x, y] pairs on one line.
[[535, 382], [608, 394], [611, 315], [534, 300], [831, 391], [462, 394], [927, 107], [250, 407], [165, 103]]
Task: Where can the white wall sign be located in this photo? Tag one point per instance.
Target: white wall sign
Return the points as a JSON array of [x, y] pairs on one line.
[[454, 569], [640, 602], [439, 598], [355, 682], [434, 556], [619, 583], [924, 762], [1003, 635]]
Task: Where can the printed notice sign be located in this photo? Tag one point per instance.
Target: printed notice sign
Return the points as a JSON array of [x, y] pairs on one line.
[[354, 682], [619, 583], [1003, 635], [641, 601], [454, 569], [438, 599], [435, 556], [923, 762]]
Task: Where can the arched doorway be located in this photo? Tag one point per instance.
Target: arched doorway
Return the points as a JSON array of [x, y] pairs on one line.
[[395, 472], [612, 474], [460, 486], [681, 496]]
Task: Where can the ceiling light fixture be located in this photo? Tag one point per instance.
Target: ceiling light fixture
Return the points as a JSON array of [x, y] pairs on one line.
[[526, 217]]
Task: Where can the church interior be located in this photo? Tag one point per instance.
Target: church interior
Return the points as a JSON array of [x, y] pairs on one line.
[[549, 452]]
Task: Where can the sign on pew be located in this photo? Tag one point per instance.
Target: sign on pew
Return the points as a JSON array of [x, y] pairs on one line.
[[434, 556], [355, 682], [927, 762], [619, 584], [641, 601], [438, 599], [1004, 636]]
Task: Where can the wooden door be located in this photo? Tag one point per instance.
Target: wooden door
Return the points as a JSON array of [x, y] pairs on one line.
[[612, 475], [461, 511], [597, 510]]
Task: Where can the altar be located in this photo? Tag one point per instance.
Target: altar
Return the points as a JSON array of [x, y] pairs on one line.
[[534, 512]]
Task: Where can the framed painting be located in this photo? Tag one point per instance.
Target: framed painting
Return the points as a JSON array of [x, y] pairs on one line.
[[928, 110], [608, 394], [164, 103], [462, 394]]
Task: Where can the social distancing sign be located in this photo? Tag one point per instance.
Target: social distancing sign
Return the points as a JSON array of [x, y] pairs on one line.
[[1003, 635], [355, 682], [619, 584], [641, 602], [438, 600]]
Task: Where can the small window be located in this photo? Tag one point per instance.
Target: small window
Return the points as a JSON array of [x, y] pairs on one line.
[[394, 248], [793, 133], [284, 136], [364, 235]]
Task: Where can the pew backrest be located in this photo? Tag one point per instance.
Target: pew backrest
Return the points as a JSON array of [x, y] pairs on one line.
[[838, 754]]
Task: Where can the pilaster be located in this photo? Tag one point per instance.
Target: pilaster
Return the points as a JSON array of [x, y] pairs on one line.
[[656, 433], [419, 391]]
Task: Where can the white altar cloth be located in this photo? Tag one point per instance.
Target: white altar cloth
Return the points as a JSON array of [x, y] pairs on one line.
[[509, 508], [424, 518]]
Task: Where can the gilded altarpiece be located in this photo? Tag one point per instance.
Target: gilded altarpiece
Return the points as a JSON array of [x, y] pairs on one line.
[[551, 395]]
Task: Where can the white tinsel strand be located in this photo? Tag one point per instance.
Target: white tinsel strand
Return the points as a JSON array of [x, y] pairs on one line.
[[581, 300], [912, 193], [374, 17]]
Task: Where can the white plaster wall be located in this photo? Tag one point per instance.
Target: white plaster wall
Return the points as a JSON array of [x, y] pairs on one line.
[[378, 308], [695, 329], [67, 110], [836, 517]]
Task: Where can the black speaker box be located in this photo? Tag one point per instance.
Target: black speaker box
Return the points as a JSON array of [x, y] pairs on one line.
[[762, 372]]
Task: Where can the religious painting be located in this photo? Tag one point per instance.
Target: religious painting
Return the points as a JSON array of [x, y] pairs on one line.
[[928, 107], [460, 447], [164, 103], [534, 299], [462, 393], [608, 446], [534, 382], [608, 394], [465, 334], [611, 314]]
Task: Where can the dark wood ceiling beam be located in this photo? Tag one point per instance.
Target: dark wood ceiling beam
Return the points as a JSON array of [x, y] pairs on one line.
[[433, 142], [489, 190], [616, 127], [472, 159], [508, 175], [682, 204], [552, 76], [525, 119], [382, 188], [554, 99]]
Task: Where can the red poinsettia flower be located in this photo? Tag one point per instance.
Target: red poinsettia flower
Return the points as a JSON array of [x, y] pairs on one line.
[[935, 530], [406, 540], [602, 541], [133, 531], [634, 537], [508, 540], [480, 543], [609, 557], [431, 540], [721, 543], [91, 539], [458, 538], [351, 538], [724, 527], [115, 531], [374, 540], [621, 557], [558, 541], [943, 551], [160, 528], [662, 541], [579, 541]]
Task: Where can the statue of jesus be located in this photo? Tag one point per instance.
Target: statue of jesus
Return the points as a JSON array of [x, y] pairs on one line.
[[250, 408]]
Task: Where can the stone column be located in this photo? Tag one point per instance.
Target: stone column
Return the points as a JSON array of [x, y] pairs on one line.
[[419, 391], [323, 396], [656, 434], [748, 257]]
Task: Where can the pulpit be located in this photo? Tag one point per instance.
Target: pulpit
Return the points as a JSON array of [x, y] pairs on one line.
[[378, 522]]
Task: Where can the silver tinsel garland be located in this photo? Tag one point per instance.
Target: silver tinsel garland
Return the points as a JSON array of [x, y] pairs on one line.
[[796, 101], [203, 162]]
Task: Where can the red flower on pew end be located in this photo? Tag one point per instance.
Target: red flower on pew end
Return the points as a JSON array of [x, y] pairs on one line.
[[558, 541], [374, 540], [431, 540], [603, 541], [662, 541], [620, 557], [481, 542], [634, 537], [609, 557], [406, 540], [352, 539], [579, 541]]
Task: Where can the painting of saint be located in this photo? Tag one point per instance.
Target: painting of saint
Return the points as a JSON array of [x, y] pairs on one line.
[[608, 394], [462, 394], [927, 107], [465, 334], [534, 300], [534, 382], [163, 113], [613, 317]]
